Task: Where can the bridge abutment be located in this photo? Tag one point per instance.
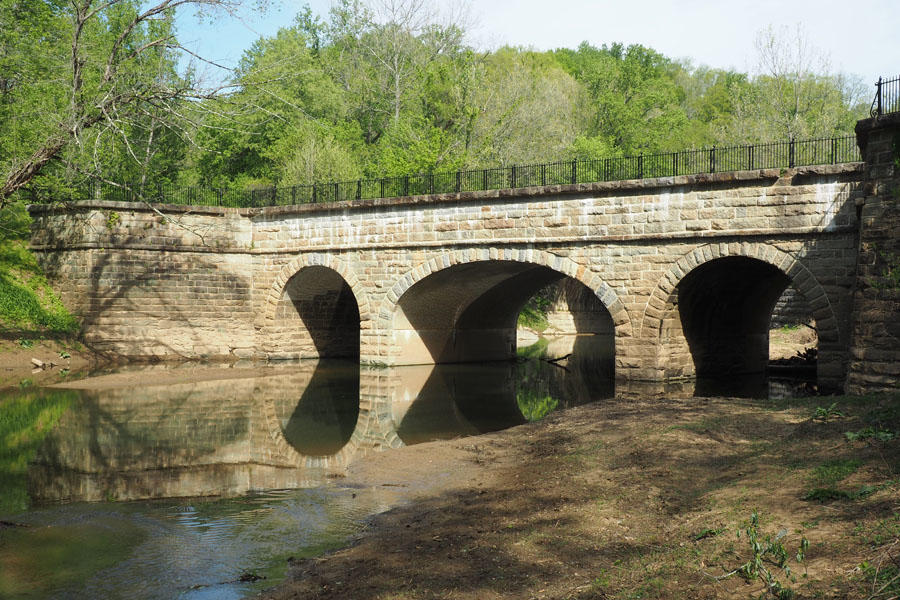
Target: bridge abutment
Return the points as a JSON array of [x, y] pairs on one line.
[[875, 345]]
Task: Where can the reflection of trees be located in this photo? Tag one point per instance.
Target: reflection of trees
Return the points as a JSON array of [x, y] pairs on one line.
[[26, 417], [535, 406]]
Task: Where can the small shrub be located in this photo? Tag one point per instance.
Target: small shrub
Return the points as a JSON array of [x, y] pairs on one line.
[[823, 413], [875, 433], [769, 560]]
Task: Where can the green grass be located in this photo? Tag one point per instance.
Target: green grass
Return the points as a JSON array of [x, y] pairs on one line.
[[833, 471], [27, 302], [534, 318]]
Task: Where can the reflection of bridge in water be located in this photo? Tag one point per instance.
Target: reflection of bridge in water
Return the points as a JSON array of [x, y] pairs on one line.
[[284, 427]]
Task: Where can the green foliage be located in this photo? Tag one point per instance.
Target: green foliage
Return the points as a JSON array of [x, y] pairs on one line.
[[533, 317], [769, 560], [883, 580], [26, 299], [823, 413], [708, 533], [93, 94], [534, 314], [25, 419], [535, 406], [112, 220], [832, 494], [870, 433], [881, 532], [833, 471], [372, 91], [890, 272]]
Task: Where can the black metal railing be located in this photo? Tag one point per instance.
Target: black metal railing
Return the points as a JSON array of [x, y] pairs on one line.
[[887, 97], [686, 162]]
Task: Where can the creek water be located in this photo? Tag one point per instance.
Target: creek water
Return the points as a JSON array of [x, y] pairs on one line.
[[155, 482]]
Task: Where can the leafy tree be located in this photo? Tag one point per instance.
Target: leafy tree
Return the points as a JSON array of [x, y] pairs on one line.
[[101, 73], [529, 110], [635, 102], [794, 95], [286, 120]]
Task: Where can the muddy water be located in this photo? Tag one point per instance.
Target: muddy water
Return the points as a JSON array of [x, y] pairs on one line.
[[187, 482]]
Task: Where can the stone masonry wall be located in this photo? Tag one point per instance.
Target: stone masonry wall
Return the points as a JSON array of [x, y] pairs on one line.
[[152, 285], [208, 282], [875, 347], [791, 309]]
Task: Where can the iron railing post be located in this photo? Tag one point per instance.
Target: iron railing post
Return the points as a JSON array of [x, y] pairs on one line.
[[543, 174], [575, 171], [358, 189], [791, 154], [641, 165], [878, 98], [458, 181], [315, 193], [712, 159]]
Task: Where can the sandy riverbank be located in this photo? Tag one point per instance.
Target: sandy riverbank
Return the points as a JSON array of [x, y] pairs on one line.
[[626, 499]]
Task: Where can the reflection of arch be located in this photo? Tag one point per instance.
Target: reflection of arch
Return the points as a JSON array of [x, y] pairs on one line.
[[553, 266], [801, 278], [289, 454], [313, 309]]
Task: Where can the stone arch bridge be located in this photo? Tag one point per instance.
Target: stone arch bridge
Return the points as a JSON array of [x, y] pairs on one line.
[[682, 272]]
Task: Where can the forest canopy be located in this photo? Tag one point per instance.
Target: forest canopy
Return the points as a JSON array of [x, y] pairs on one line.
[[98, 91]]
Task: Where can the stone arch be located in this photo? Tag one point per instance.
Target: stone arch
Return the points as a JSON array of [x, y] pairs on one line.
[[321, 288], [563, 265], [276, 291], [801, 278]]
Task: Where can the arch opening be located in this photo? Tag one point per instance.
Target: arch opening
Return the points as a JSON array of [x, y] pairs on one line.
[[317, 316], [717, 322], [793, 334], [470, 312], [566, 318]]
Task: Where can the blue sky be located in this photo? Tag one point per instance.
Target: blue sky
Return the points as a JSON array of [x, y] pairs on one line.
[[859, 37]]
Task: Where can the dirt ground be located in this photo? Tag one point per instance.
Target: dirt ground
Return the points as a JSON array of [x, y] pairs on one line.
[[631, 499], [59, 357], [786, 342]]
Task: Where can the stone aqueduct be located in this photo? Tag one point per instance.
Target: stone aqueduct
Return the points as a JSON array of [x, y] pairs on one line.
[[685, 271]]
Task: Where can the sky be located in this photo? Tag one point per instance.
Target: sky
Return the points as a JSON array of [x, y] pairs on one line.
[[859, 37]]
